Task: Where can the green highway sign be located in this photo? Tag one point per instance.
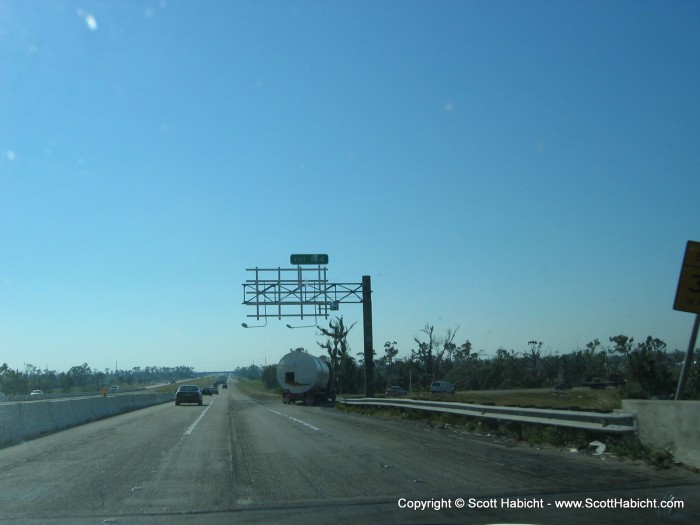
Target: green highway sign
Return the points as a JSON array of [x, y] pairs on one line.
[[308, 258]]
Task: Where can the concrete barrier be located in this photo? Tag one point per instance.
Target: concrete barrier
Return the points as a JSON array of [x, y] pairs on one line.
[[35, 417], [10, 419], [672, 425], [20, 421], [63, 415]]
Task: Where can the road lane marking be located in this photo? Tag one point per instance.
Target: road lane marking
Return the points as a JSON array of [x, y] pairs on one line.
[[302, 423], [191, 428], [308, 425]]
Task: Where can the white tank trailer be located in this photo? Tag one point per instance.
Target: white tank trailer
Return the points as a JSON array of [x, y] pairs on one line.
[[304, 377]]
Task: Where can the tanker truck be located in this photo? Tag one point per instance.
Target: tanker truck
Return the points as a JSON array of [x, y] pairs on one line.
[[304, 377]]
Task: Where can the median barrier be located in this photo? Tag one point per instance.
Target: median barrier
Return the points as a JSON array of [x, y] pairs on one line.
[[63, 415], [143, 400], [35, 418], [10, 419], [102, 407], [20, 421]]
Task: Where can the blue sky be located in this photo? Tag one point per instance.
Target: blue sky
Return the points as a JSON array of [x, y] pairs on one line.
[[522, 170]]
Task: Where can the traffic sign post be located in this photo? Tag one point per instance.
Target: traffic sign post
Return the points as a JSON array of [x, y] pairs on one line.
[[688, 300], [688, 292]]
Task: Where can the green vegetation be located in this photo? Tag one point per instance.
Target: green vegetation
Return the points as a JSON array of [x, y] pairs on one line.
[[644, 370], [256, 388], [579, 398], [83, 378], [201, 382], [348, 375]]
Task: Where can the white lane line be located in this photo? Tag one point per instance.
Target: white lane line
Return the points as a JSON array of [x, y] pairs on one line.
[[196, 421], [302, 423], [308, 425]]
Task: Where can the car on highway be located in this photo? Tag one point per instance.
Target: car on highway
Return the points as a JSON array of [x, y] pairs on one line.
[[188, 394], [206, 391], [395, 391], [214, 389], [445, 387], [36, 393]]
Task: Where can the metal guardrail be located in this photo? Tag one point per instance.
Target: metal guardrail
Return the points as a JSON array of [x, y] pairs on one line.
[[617, 422]]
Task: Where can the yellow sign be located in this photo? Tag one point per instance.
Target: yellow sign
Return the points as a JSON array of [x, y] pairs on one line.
[[688, 292]]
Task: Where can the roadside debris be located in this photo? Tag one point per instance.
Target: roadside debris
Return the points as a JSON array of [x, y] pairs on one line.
[[600, 448]]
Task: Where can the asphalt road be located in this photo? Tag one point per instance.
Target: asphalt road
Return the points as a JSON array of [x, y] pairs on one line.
[[238, 460]]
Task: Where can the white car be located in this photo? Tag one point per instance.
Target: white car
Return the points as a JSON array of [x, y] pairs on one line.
[[442, 386], [36, 393]]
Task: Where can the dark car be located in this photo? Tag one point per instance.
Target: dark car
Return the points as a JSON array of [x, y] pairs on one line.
[[395, 391], [562, 386], [206, 391], [188, 394]]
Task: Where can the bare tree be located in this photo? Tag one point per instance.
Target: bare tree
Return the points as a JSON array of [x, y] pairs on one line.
[[446, 348], [424, 354], [339, 351]]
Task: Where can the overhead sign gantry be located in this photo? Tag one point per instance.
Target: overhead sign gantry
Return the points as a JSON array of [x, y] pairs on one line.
[[304, 291]]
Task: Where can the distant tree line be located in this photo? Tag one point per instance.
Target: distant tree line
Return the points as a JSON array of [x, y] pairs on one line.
[[83, 378], [649, 369]]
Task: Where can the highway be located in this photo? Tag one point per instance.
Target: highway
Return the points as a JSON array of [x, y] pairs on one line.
[[241, 460]]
